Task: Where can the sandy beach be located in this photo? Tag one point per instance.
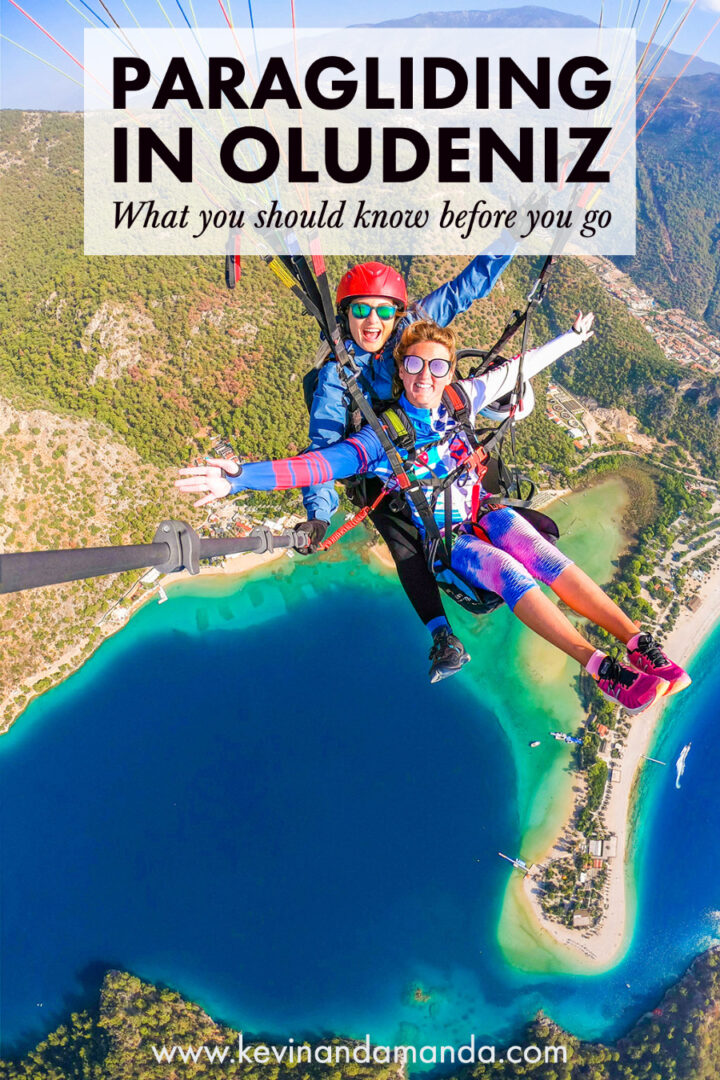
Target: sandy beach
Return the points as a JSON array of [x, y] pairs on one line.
[[231, 567], [76, 657], [380, 552], [601, 948]]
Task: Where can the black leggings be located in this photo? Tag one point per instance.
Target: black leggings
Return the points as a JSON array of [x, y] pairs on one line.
[[403, 539]]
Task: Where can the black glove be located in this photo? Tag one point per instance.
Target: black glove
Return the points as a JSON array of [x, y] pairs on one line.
[[315, 531]]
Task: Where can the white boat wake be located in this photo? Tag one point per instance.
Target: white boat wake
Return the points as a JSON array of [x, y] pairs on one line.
[[680, 764]]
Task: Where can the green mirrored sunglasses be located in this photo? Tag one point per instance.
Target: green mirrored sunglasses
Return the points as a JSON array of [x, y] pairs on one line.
[[383, 311]]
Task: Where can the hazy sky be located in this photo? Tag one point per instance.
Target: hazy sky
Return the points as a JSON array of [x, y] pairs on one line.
[[26, 82]]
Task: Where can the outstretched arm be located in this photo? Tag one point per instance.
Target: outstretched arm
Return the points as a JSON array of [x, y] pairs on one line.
[[472, 283], [346, 458], [488, 388]]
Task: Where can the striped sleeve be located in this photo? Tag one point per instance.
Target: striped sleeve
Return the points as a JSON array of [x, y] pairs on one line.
[[343, 459]]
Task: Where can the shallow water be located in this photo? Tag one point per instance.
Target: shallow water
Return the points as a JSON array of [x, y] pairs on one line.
[[252, 794]]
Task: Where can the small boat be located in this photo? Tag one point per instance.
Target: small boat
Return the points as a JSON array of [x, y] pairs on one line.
[[534, 743], [519, 864], [562, 737]]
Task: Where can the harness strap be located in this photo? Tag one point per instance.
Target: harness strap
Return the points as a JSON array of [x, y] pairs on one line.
[[459, 402], [281, 266], [302, 271], [352, 522], [403, 433], [518, 319], [233, 265], [349, 373]]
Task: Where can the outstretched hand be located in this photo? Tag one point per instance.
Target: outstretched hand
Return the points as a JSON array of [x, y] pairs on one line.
[[226, 465], [583, 324], [210, 478]]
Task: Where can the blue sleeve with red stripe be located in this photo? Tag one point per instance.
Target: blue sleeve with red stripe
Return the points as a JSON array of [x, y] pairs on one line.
[[347, 458]]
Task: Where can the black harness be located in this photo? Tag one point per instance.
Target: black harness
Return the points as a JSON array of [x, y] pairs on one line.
[[482, 444]]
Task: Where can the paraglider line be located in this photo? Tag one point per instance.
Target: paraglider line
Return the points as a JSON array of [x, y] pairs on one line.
[[676, 30], [183, 14], [81, 14], [131, 14], [47, 34], [41, 59], [192, 12], [168, 20], [679, 75], [95, 14], [109, 14]]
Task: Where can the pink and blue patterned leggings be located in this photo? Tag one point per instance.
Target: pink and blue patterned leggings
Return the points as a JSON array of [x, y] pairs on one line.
[[516, 558]]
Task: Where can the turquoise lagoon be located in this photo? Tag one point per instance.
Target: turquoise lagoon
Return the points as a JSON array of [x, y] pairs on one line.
[[252, 795]]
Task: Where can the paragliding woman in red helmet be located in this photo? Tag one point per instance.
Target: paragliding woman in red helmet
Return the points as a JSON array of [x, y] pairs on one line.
[[373, 309], [373, 303]]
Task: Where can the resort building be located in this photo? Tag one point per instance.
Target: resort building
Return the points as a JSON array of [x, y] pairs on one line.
[[610, 847], [602, 849]]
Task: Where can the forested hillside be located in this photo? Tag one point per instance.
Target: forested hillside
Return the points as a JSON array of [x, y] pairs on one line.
[[678, 239], [679, 1040], [66, 482], [160, 351], [678, 236], [624, 367]]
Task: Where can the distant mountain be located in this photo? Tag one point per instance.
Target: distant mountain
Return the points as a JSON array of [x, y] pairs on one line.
[[678, 236], [541, 17], [528, 15]]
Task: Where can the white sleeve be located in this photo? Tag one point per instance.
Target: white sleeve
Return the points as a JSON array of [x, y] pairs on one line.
[[485, 389]]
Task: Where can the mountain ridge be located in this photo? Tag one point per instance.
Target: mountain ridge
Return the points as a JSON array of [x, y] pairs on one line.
[[530, 15]]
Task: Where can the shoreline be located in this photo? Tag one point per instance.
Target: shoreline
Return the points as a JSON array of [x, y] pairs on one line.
[[234, 566], [578, 949], [246, 562], [600, 950], [380, 554]]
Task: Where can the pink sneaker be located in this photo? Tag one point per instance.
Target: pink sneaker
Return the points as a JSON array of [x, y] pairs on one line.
[[634, 690], [645, 655]]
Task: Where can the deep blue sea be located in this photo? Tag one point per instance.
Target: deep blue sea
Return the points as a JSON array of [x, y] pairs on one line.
[[254, 797]]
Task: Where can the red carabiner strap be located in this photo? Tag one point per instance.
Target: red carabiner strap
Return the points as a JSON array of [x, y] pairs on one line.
[[351, 523]]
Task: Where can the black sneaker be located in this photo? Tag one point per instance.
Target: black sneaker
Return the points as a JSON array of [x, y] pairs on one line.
[[447, 656]]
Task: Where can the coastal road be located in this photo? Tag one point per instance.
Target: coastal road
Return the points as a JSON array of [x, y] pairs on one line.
[[648, 461]]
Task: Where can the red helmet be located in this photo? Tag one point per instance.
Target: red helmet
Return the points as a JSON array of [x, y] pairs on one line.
[[372, 279]]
